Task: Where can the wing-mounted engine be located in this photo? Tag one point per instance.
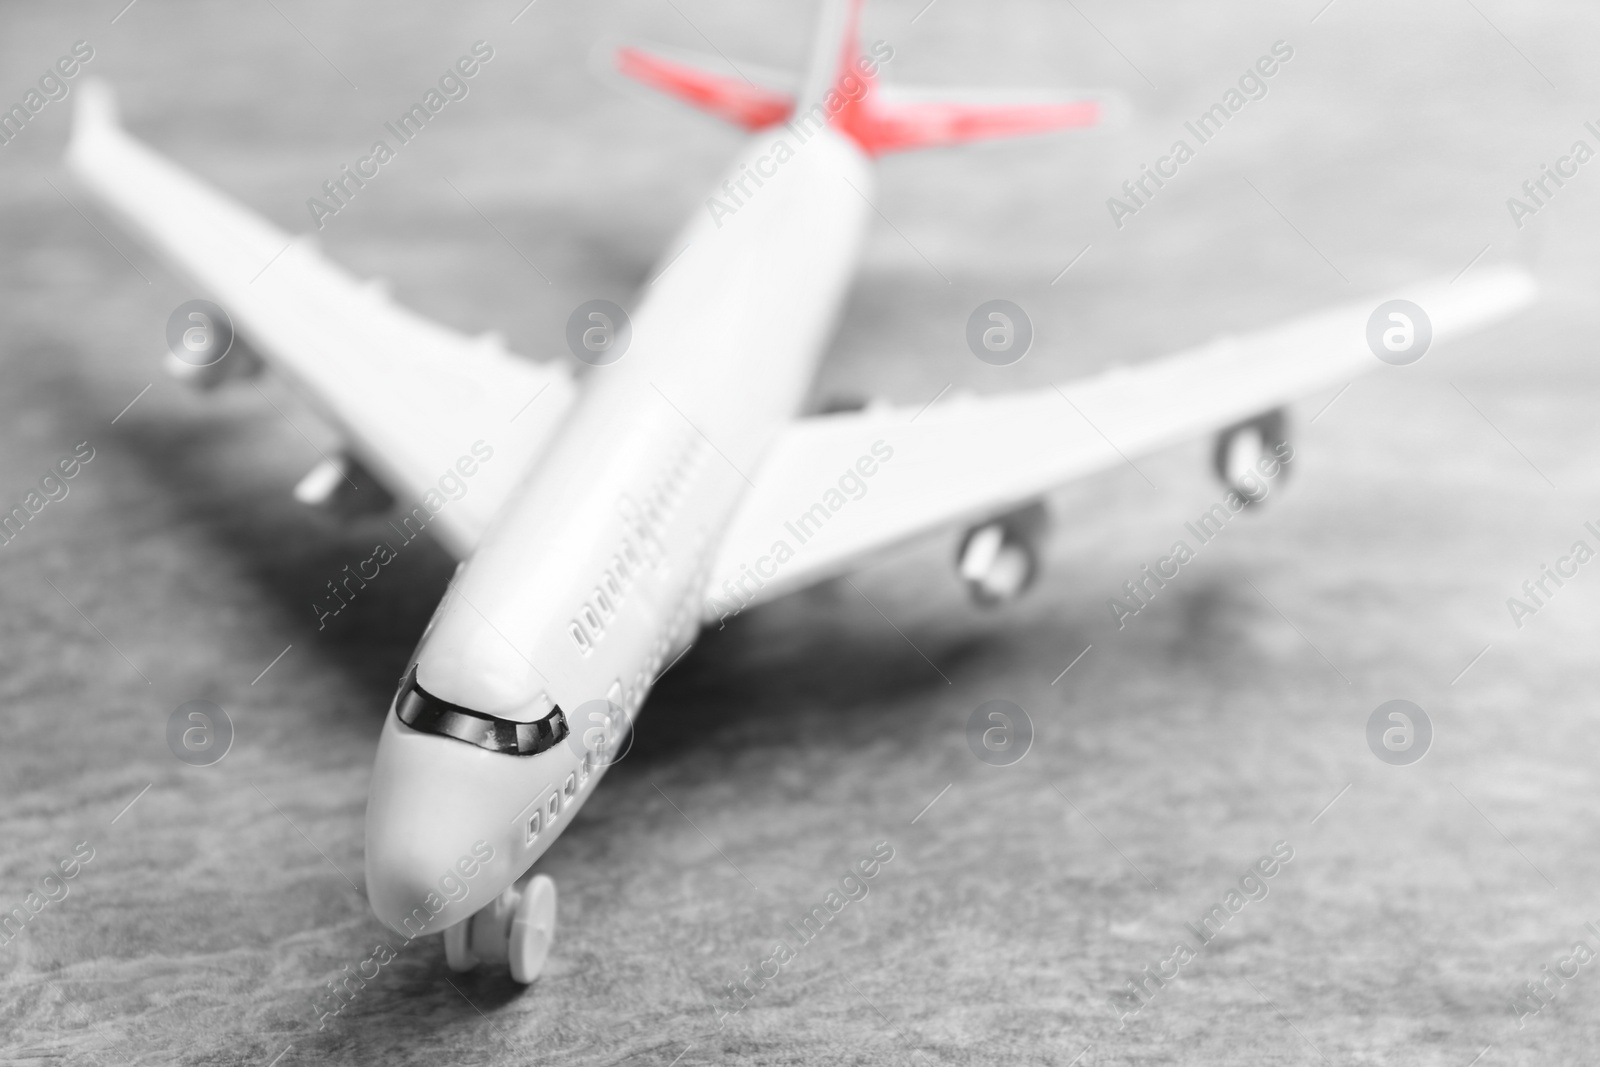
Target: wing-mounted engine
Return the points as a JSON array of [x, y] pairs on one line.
[[199, 369], [1251, 455], [340, 486], [999, 559]]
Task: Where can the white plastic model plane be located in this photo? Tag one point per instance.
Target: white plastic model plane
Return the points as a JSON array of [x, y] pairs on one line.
[[605, 521]]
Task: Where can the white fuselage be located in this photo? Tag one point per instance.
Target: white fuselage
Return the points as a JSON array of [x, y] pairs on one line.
[[591, 579]]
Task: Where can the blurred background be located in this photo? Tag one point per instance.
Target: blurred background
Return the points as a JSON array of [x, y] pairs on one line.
[[1172, 754]]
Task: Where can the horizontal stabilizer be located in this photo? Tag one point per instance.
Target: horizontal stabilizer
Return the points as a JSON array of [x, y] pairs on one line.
[[732, 99], [896, 120], [841, 89]]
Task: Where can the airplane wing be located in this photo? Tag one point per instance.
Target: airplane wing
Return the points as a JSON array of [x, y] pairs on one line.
[[836, 489], [410, 397]]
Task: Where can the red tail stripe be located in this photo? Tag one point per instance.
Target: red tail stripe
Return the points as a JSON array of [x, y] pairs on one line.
[[730, 99], [880, 128], [877, 127]]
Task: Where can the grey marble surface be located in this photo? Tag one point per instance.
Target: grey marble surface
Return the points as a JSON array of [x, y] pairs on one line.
[[1173, 755]]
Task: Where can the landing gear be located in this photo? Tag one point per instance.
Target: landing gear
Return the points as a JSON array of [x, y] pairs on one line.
[[516, 928]]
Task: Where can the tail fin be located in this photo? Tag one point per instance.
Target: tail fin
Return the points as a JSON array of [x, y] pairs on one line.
[[840, 89], [835, 47]]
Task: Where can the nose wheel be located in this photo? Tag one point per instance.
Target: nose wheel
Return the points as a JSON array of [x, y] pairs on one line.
[[515, 928]]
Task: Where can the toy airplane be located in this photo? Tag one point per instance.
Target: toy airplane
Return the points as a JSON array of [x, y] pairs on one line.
[[600, 525]]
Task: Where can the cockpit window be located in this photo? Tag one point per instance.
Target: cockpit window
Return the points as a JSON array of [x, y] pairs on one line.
[[421, 711]]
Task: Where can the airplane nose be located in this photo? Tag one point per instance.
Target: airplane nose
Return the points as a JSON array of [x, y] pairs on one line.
[[441, 843]]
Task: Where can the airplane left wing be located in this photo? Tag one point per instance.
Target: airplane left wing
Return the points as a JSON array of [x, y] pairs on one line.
[[446, 422], [836, 489]]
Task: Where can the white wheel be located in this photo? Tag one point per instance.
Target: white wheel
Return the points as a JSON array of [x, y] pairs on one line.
[[457, 947], [515, 927], [489, 928], [533, 927]]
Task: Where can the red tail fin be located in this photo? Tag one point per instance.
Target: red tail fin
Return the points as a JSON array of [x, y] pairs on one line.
[[841, 89]]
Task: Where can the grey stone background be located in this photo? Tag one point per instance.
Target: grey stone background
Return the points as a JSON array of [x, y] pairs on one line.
[[1169, 758]]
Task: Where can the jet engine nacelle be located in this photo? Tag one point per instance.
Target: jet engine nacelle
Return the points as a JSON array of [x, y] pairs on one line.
[[1250, 455], [238, 362], [342, 487], [999, 559]]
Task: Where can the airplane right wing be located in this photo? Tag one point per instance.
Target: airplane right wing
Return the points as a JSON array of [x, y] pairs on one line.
[[837, 489]]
